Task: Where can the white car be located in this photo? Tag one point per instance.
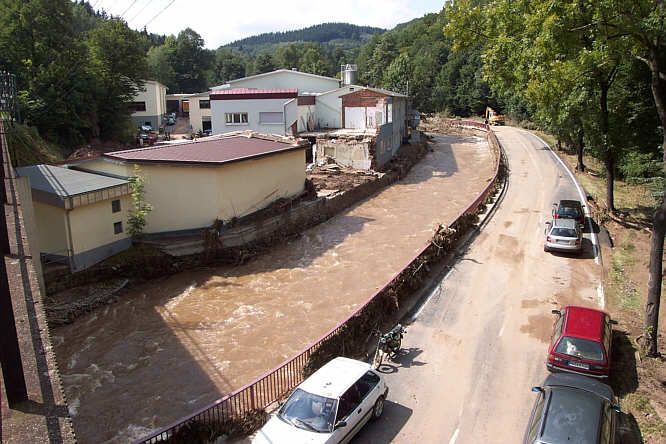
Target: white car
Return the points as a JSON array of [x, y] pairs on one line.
[[330, 406], [563, 235]]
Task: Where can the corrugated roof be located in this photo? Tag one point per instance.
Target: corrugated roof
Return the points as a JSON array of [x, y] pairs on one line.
[[212, 150], [64, 182]]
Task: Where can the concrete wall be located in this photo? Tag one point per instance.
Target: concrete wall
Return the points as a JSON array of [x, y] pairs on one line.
[[288, 79], [51, 229], [348, 152], [252, 108], [197, 113], [222, 192], [291, 116], [30, 223]]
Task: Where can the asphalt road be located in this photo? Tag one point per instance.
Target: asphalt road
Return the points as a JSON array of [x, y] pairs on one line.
[[478, 344]]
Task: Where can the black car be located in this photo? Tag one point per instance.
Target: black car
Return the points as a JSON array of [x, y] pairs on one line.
[[572, 409], [569, 209]]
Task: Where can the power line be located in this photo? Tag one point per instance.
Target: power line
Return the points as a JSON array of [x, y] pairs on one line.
[[158, 14], [129, 7], [142, 9]]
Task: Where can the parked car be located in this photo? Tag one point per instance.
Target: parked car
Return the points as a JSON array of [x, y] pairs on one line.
[[569, 209], [572, 409], [330, 406], [582, 341], [563, 235]]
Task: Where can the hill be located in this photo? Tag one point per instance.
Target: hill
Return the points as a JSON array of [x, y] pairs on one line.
[[340, 35]]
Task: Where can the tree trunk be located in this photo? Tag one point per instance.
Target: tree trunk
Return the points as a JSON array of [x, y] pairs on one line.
[[659, 220], [609, 163], [654, 284], [579, 150]]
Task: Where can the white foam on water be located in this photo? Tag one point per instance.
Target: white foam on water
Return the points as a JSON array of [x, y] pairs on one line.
[[181, 297], [131, 433], [73, 406], [73, 360], [248, 310]]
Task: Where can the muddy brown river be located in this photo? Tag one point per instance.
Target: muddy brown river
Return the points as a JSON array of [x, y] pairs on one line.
[[174, 345]]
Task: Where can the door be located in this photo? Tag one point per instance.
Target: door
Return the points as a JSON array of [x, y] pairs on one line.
[[355, 117], [351, 411]]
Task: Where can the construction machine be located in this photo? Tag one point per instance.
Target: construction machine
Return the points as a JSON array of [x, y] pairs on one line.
[[493, 118]]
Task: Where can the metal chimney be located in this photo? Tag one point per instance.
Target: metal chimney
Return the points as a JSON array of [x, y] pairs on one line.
[[348, 74]]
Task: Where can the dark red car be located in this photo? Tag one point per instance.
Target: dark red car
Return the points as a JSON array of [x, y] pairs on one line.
[[581, 342]]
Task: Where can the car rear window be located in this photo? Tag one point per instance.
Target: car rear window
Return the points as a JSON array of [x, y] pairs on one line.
[[568, 212], [564, 232], [580, 348]]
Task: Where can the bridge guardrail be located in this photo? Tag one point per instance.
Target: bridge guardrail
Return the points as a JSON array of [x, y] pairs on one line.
[[273, 385]]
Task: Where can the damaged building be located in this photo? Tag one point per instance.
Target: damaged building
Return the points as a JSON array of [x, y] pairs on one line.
[[374, 126]]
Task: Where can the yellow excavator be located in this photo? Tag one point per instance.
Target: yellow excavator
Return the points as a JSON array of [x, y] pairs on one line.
[[493, 118]]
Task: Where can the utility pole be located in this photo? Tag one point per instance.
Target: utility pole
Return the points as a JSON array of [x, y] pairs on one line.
[[10, 353]]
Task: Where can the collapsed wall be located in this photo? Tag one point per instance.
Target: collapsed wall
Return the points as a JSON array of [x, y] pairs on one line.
[[349, 150]]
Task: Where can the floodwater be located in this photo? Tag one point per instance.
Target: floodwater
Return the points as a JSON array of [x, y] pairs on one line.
[[174, 345]]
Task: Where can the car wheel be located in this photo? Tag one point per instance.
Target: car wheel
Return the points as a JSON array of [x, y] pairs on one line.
[[378, 409], [545, 249]]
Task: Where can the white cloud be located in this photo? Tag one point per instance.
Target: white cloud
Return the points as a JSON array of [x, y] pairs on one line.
[[220, 22]]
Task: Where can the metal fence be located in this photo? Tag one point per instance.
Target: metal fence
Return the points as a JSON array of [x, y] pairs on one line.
[[9, 110], [279, 381]]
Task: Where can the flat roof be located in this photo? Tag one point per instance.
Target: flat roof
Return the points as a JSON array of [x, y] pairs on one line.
[[64, 182], [213, 150]]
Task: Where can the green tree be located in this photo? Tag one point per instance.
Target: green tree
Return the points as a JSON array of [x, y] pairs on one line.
[[140, 208], [313, 62], [118, 62], [192, 63], [160, 61], [263, 63], [229, 66], [397, 75]]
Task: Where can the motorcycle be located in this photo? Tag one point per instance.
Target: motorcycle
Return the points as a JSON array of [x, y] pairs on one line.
[[388, 344]]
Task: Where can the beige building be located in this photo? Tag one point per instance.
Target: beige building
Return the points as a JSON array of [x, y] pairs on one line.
[[149, 105], [200, 115], [190, 185], [80, 217]]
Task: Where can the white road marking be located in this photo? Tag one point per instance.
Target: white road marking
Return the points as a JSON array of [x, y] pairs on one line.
[[580, 193], [454, 437], [595, 243]]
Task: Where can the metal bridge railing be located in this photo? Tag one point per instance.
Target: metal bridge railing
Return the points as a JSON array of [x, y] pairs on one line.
[[278, 382]]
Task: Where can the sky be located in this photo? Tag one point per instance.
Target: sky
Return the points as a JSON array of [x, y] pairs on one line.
[[222, 21]]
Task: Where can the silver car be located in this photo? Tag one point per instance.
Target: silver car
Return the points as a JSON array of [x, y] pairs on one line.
[[563, 235]]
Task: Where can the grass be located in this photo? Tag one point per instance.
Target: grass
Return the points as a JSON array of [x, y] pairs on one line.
[[131, 254], [649, 421]]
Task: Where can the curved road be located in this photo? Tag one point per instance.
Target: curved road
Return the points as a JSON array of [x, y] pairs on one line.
[[478, 343]]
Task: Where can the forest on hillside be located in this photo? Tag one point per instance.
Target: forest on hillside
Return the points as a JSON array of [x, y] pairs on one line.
[[77, 68]]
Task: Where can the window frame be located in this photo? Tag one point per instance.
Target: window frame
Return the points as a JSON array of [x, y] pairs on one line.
[[206, 102], [230, 118], [118, 227], [116, 206]]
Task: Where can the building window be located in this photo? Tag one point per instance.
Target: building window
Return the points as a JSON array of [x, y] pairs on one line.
[[115, 206], [271, 118], [137, 106], [117, 227], [236, 118], [204, 104]]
